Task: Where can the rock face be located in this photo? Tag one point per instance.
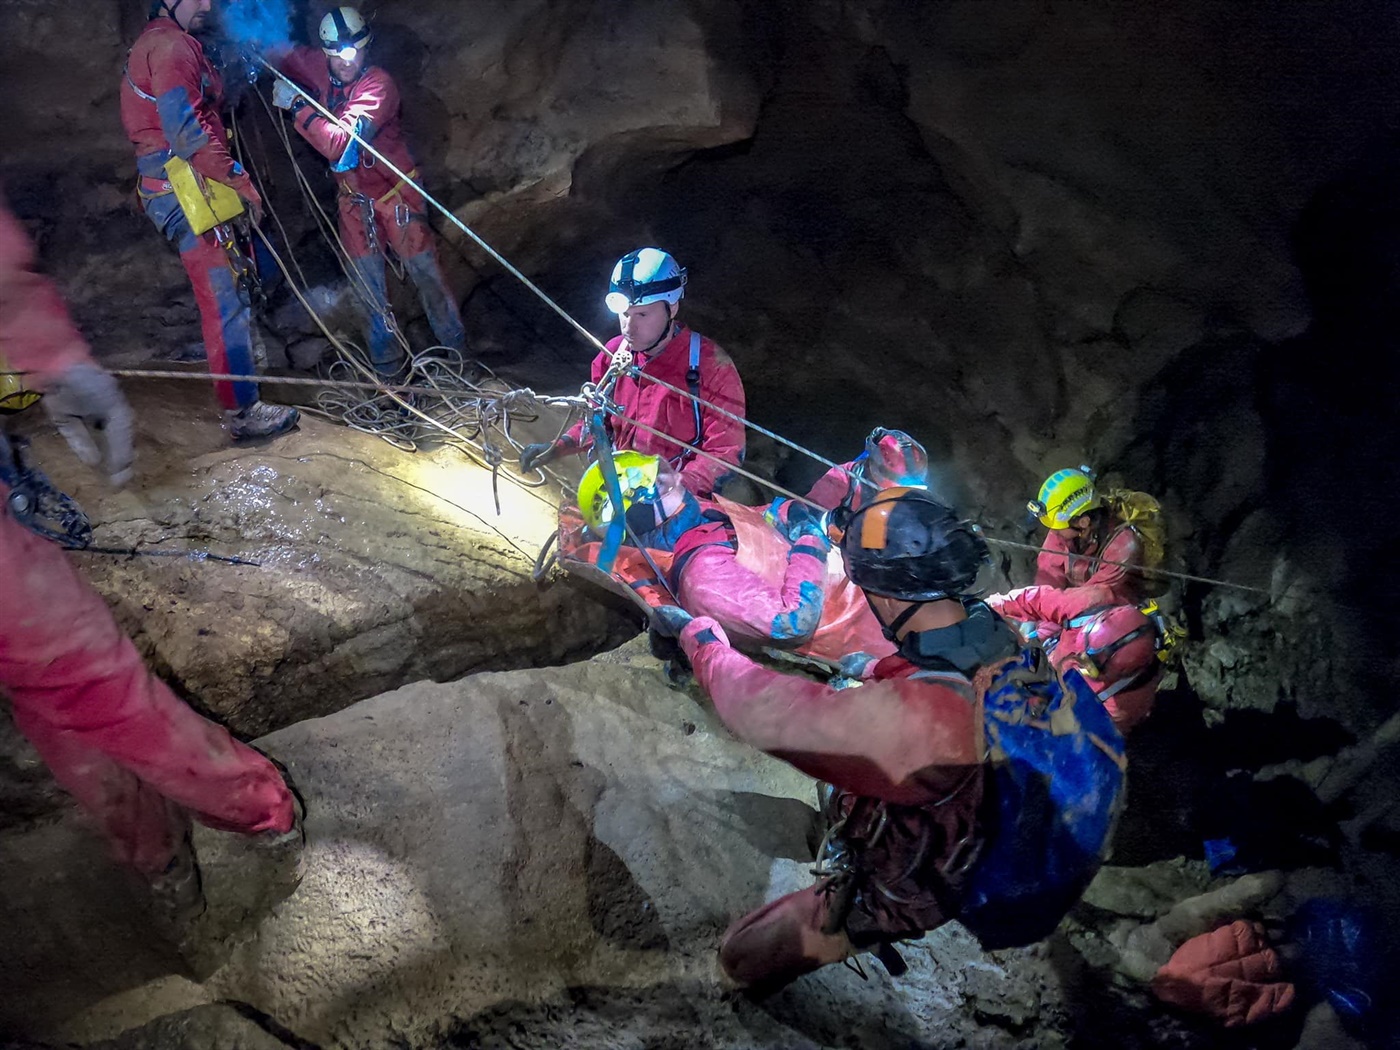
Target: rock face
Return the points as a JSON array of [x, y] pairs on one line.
[[536, 859], [371, 568]]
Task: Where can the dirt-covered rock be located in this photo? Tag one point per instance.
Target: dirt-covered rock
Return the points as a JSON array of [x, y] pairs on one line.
[[528, 859]]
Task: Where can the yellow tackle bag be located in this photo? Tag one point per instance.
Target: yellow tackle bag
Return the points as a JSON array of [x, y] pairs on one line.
[[14, 395], [206, 202]]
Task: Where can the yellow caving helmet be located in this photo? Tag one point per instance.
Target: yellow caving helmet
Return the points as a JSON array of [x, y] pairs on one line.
[[637, 475], [14, 395], [1065, 495]]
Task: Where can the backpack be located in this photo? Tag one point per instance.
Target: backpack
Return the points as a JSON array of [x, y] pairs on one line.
[[1054, 790]]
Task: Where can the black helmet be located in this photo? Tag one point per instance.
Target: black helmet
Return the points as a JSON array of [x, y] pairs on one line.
[[905, 544]]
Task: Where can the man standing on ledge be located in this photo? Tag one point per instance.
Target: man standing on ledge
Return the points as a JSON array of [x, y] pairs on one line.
[[379, 212], [170, 100]]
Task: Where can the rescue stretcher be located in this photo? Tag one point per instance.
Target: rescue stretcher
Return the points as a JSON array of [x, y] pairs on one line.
[[847, 625]]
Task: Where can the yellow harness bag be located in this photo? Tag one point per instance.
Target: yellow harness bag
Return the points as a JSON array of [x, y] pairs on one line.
[[14, 395], [206, 202]]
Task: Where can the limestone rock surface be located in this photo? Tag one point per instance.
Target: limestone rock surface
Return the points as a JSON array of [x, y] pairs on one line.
[[531, 859]]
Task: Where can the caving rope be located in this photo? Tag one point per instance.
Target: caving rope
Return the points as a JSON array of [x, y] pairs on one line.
[[595, 403]]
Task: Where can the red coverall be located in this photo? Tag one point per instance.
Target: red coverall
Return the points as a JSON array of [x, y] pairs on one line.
[[377, 210], [1052, 611], [917, 743], [170, 99], [1066, 562], [777, 604], [113, 734], [673, 413]]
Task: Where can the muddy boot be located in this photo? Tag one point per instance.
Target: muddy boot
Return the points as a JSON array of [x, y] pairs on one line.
[[773, 946], [245, 877], [260, 420]]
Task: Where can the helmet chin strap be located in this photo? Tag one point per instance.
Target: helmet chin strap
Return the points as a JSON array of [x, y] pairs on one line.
[[891, 630], [666, 333], [170, 10]]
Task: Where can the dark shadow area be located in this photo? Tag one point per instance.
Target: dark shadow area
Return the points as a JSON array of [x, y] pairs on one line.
[[619, 909], [1111, 1017], [1190, 783]]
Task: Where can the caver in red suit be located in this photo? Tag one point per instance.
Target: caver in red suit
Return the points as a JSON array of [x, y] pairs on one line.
[[767, 577], [915, 742], [749, 577], [170, 100], [132, 754], [1112, 645], [1069, 561], [672, 413], [903, 754], [378, 211]]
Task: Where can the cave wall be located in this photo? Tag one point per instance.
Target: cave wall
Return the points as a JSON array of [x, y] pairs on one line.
[[1034, 233]]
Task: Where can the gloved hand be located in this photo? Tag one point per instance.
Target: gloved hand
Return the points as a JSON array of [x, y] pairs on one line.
[[252, 200], [857, 665], [805, 523], [537, 455], [796, 520], [87, 406], [701, 631], [284, 95], [671, 620]]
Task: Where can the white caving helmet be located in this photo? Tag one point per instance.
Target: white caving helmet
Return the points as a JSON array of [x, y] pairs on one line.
[[344, 29], [647, 275]]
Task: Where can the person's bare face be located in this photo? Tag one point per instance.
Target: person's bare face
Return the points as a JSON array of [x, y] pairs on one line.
[[346, 70], [643, 326], [192, 15]]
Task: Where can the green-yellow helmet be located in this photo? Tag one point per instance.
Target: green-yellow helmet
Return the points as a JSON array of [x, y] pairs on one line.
[[637, 475], [1065, 495]]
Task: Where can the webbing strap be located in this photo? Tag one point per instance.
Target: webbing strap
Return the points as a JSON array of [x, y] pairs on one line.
[[126, 72], [692, 380]]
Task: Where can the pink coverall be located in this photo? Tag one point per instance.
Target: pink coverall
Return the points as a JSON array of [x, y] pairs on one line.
[[133, 754], [1055, 614], [836, 486], [744, 573], [1075, 562], [675, 414], [917, 743]]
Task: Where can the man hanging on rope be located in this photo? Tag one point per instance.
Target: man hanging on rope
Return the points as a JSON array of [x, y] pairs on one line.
[[914, 839], [136, 757], [378, 212], [170, 100], [1097, 540], [646, 287]]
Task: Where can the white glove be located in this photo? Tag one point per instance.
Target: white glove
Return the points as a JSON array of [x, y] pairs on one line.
[[87, 406], [284, 95]]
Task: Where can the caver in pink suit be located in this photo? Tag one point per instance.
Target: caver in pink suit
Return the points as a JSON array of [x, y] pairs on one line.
[[765, 589], [134, 755]]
